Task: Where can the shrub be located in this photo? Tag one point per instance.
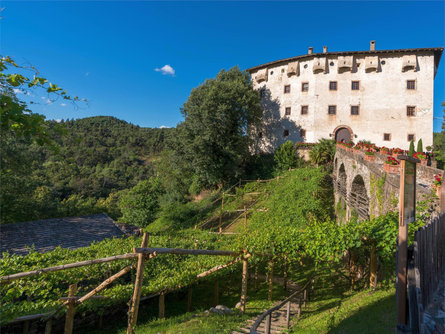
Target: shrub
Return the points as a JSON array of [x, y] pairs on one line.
[[419, 145], [286, 156]]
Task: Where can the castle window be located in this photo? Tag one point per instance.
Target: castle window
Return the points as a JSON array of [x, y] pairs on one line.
[[411, 137], [286, 89], [286, 133], [302, 133], [304, 110], [355, 110], [410, 84], [332, 110], [386, 136], [410, 111], [305, 87], [332, 85], [287, 111], [355, 85]]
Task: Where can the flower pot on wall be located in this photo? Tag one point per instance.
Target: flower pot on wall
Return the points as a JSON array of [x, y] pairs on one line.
[[393, 169], [370, 158], [424, 162]]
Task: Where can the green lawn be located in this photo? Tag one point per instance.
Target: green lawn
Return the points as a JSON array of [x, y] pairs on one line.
[[335, 310]]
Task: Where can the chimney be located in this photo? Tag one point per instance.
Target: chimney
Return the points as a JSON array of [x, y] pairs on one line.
[[311, 49], [325, 49], [372, 46]]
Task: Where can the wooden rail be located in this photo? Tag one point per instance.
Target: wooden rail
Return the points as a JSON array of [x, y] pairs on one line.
[[268, 314]]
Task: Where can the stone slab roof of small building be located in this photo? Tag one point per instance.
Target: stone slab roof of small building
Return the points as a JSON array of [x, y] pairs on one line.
[[45, 235]]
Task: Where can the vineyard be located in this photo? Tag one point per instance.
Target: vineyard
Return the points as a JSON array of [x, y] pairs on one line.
[[283, 226]]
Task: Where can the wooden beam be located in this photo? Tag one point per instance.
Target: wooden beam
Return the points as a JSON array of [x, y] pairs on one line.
[[134, 304], [71, 310], [104, 284], [180, 251], [7, 278]]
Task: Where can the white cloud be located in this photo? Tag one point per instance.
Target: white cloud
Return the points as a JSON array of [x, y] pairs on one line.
[[58, 120], [63, 104], [164, 127], [49, 101], [43, 97], [166, 70], [17, 91]]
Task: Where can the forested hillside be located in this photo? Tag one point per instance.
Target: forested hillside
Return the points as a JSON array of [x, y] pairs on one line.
[[89, 162]]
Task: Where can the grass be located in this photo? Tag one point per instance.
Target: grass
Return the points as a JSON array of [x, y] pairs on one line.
[[179, 321], [338, 310]]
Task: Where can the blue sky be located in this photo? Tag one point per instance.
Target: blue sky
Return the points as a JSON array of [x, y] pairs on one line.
[[107, 52]]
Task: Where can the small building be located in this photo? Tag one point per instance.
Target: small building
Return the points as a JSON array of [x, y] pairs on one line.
[[45, 235], [384, 96]]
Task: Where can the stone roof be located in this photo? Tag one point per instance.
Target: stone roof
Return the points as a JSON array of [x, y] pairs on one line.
[[437, 53], [45, 235]]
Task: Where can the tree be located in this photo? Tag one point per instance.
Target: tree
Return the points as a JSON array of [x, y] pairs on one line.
[[411, 149], [323, 152], [286, 157], [420, 146], [213, 140], [141, 204]]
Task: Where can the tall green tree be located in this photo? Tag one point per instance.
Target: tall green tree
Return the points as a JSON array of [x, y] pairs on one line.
[[213, 140], [286, 156]]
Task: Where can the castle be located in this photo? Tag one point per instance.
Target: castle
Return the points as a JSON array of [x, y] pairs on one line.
[[384, 96]]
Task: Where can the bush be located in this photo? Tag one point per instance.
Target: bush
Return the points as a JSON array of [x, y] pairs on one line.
[[286, 156], [323, 152]]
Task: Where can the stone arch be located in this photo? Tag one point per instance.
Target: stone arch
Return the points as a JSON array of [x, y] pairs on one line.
[[358, 197], [341, 181], [343, 131]]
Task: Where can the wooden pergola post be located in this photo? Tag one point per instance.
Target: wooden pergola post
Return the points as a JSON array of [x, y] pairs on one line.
[[216, 297], [71, 310], [244, 284], [189, 299], [162, 305], [134, 304], [269, 295]]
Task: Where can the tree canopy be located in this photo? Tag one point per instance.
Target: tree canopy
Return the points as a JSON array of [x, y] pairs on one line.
[[213, 141]]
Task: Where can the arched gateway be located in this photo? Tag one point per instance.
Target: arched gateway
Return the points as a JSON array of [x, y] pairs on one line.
[[343, 133]]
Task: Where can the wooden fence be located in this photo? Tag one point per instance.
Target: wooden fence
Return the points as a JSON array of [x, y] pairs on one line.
[[142, 254], [426, 267]]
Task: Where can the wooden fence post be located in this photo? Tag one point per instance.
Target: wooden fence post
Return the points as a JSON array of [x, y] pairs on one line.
[[285, 274], [304, 297], [269, 296], [48, 326], [373, 269], [268, 322], [256, 278], [245, 217], [216, 297], [244, 284], [299, 307], [189, 299], [221, 214], [71, 310], [288, 314], [26, 327], [162, 305], [134, 304]]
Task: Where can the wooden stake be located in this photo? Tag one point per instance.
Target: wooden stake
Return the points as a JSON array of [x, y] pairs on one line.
[[71, 310], [285, 274], [189, 299], [268, 323], [244, 286], [162, 305], [221, 214], [288, 314], [269, 296], [245, 217], [304, 298], [26, 327], [256, 279], [299, 308], [48, 326], [216, 297], [373, 269], [134, 304]]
